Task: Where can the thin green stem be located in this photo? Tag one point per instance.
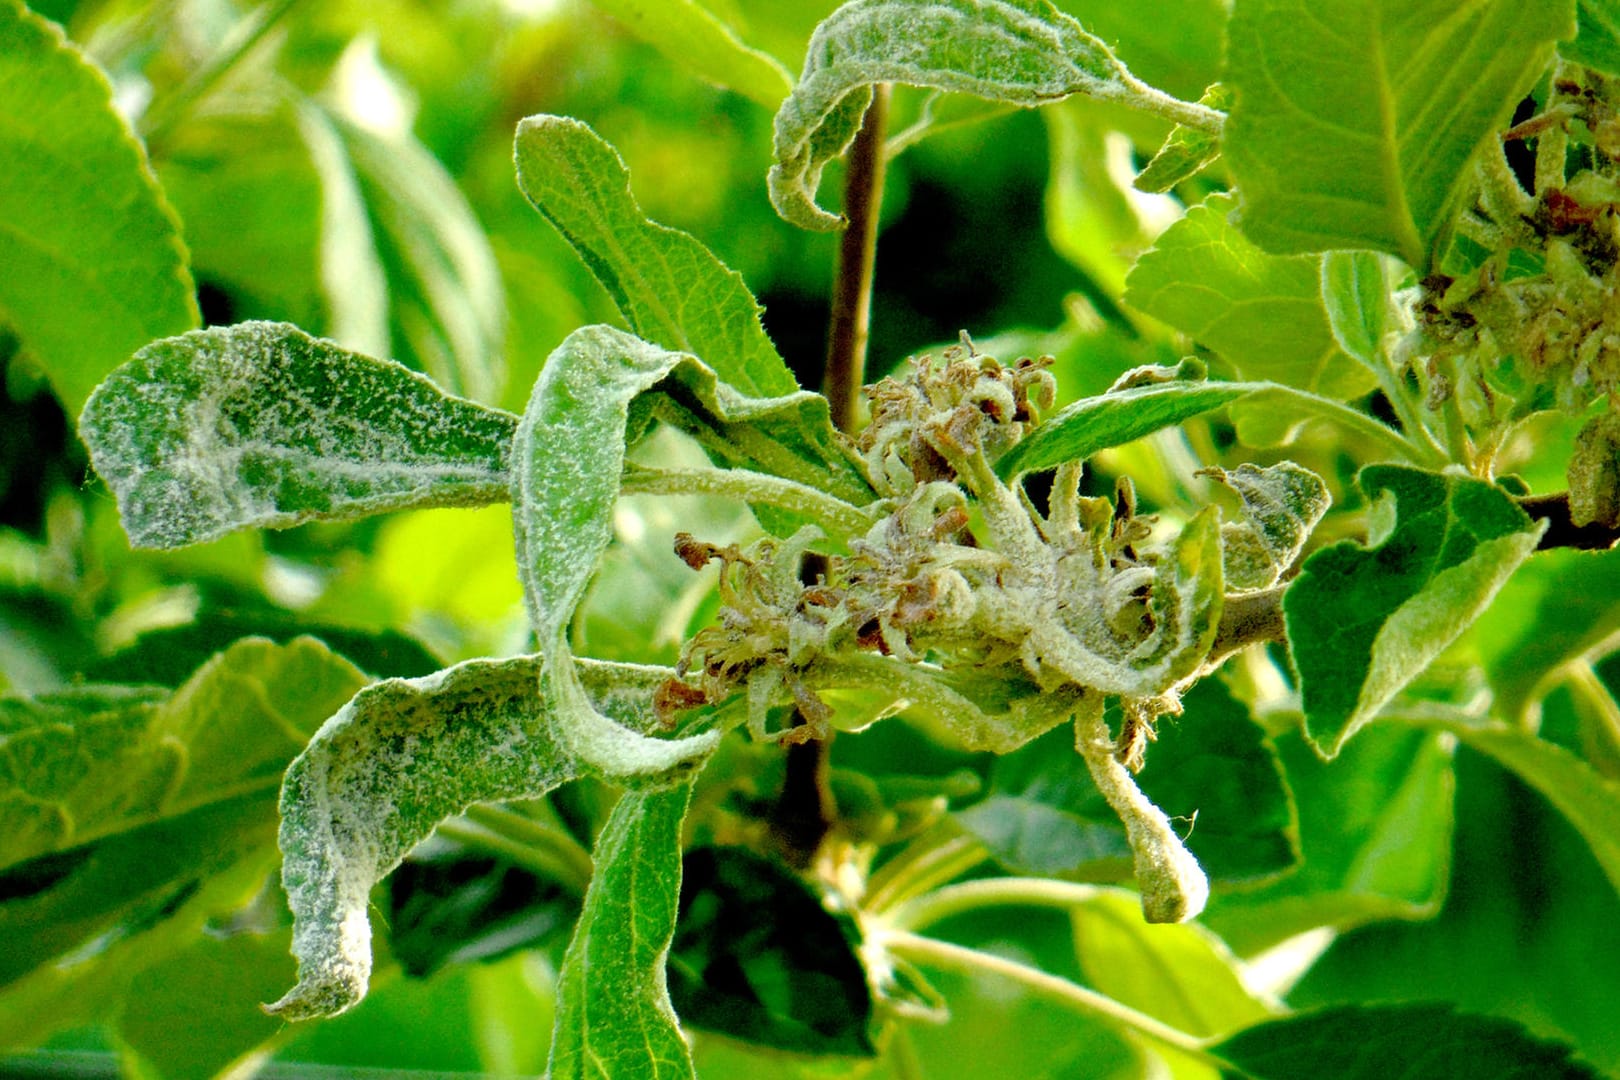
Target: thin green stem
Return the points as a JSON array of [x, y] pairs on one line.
[[838, 517], [945, 956], [1417, 433], [941, 857], [527, 842], [243, 37], [1585, 684], [966, 896], [1151, 99]]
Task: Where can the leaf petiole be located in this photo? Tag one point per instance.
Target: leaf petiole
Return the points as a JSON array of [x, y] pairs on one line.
[[840, 519], [931, 952]]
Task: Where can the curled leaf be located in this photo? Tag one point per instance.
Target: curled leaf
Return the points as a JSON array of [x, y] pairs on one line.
[[1018, 52], [1281, 504], [568, 462], [399, 758]]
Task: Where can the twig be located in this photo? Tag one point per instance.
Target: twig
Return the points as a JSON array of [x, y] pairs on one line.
[[805, 811]]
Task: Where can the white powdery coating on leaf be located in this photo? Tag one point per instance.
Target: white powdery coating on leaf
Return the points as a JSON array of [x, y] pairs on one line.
[[399, 758], [262, 425], [1021, 52], [567, 464]]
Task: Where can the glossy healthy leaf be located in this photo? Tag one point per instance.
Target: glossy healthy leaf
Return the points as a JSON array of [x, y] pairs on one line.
[[1354, 125], [1375, 833], [568, 459], [1263, 313], [1363, 621], [262, 425], [1274, 415], [1211, 767], [1091, 424], [757, 957], [614, 1018], [1280, 505], [1586, 798], [399, 758], [86, 763], [691, 35], [1557, 607], [94, 263], [671, 289], [1374, 1042], [1597, 44], [1180, 974], [1020, 52]]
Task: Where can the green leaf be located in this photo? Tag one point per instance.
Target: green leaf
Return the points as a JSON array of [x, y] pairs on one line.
[[1186, 151], [569, 457], [614, 1019], [1597, 44], [1356, 294], [1020, 52], [132, 900], [1263, 313], [1353, 127], [1363, 621], [1375, 831], [1280, 505], [1589, 800], [262, 425], [692, 36], [1560, 605], [399, 758], [83, 764], [1178, 973], [94, 264], [1091, 424], [1211, 767], [790, 436], [758, 957], [671, 289], [1273, 416], [449, 305], [1373, 1042]]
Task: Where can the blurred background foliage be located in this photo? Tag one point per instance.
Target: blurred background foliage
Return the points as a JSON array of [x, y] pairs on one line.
[[347, 166]]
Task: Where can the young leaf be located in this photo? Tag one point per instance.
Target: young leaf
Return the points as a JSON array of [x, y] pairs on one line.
[[86, 763], [1262, 312], [614, 1018], [1364, 621], [1186, 151], [1374, 1042], [1021, 52], [399, 758], [1356, 294], [1375, 838], [671, 289], [94, 263], [691, 35], [757, 957], [1281, 504], [262, 425], [568, 460], [1091, 424], [1353, 127], [1272, 416]]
